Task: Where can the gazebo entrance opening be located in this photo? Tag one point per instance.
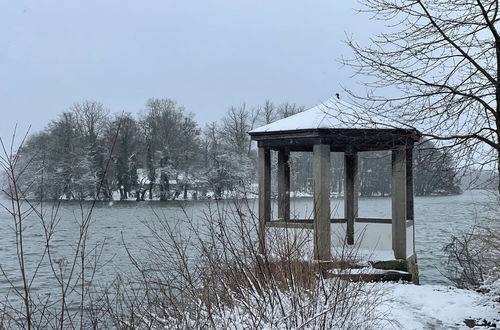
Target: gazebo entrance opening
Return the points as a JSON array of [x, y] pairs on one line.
[[318, 131]]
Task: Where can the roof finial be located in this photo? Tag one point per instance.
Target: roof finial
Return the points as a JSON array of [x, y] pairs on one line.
[[337, 95]]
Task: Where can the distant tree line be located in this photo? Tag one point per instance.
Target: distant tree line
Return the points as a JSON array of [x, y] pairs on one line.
[[163, 153]]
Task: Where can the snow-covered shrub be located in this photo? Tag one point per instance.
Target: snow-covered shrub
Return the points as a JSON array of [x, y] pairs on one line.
[[474, 259], [491, 285], [209, 273]]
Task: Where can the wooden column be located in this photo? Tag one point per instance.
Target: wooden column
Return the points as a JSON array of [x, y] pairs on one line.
[[399, 202], [264, 169], [351, 181], [410, 214], [321, 174], [284, 184], [410, 209]]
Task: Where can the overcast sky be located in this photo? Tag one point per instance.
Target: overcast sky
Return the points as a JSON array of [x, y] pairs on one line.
[[207, 55]]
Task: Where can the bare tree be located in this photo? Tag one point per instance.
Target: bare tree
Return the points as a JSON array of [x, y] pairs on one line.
[[437, 68], [236, 124], [289, 109], [268, 112], [65, 304], [91, 120], [91, 117]]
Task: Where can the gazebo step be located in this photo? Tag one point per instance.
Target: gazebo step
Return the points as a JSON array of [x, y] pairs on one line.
[[399, 264], [357, 276]]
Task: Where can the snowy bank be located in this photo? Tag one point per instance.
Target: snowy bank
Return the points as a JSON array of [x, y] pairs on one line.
[[437, 307]]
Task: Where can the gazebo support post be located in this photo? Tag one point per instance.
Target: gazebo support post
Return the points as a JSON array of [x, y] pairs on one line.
[[264, 169], [321, 175], [351, 182], [283, 185], [399, 210], [410, 214]]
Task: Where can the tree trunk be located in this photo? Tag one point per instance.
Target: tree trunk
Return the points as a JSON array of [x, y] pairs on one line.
[[498, 168], [122, 193]]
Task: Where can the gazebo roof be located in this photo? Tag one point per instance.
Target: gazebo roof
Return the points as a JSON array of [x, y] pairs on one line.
[[323, 116], [332, 122]]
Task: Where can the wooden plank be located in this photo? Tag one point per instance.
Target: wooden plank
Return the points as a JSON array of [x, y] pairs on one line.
[[374, 220], [284, 184], [351, 182], [399, 202], [295, 220], [321, 175], [264, 169], [288, 224], [336, 220]]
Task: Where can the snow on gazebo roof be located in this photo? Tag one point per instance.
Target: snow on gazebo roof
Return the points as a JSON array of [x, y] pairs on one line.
[[333, 114], [337, 123], [323, 116]]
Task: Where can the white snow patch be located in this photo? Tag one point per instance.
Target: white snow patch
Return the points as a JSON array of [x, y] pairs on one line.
[[327, 115], [436, 307]]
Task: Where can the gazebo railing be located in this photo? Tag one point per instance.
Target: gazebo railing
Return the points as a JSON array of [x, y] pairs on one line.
[[308, 223]]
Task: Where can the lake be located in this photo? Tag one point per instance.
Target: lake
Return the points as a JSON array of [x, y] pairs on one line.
[[436, 220]]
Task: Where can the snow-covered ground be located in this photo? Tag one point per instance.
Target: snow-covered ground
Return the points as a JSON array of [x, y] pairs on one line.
[[437, 307], [388, 306]]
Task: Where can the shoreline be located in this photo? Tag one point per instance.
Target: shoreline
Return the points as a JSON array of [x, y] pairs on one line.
[[254, 196]]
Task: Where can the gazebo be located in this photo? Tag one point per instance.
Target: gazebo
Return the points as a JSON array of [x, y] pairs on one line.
[[321, 130]]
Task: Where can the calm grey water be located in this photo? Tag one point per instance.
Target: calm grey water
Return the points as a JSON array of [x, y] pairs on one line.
[[437, 218]]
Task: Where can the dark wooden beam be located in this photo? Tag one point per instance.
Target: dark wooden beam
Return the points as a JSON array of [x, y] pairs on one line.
[[264, 169], [298, 223], [292, 225], [336, 220], [373, 133], [284, 184], [374, 220], [351, 181]]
